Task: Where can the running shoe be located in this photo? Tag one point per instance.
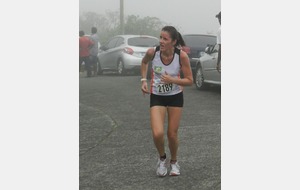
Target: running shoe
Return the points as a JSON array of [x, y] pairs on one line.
[[161, 168], [175, 169]]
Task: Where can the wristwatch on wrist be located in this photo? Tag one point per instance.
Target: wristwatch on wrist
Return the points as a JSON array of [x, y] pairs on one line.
[[143, 79]]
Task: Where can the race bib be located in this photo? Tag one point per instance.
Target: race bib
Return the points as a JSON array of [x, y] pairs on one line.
[[164, 88]]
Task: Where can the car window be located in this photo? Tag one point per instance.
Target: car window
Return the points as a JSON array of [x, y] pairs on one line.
[[112, 43], [143, 42], [215, 48], [196, 40], [120, 42]]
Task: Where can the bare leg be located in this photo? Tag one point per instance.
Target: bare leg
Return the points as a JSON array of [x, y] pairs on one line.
[[158, 114], [174, 114]]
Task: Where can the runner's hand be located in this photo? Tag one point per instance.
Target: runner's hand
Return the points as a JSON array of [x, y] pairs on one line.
[[145, 88], [166, 78]]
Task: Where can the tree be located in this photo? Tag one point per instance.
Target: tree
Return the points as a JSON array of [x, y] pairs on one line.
[[143, 26], [108, 25]]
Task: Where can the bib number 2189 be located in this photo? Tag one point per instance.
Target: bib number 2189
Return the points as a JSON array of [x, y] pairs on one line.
[[165, 88]]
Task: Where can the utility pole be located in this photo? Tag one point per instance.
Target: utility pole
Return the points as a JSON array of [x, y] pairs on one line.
[[122, 16]]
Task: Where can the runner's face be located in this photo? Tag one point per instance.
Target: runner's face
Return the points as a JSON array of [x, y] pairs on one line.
[[166, 42]]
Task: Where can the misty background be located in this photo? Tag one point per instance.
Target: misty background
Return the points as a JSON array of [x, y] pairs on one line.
[[148, 17]]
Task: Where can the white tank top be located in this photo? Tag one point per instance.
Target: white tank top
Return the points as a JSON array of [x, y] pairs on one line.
[[159, 68]]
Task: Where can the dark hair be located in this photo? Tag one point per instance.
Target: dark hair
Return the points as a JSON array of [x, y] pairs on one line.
[[175, 35], [94, 30], [81, 33], [180, 40]]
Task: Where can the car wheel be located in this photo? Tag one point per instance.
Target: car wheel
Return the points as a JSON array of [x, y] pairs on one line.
[[121, 69], [200, 85], [99, 68]]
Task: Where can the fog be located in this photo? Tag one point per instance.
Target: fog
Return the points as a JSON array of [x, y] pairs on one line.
[[188, 16]]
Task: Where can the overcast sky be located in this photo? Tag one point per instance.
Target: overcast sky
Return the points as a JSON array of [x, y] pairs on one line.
[[189, 16]]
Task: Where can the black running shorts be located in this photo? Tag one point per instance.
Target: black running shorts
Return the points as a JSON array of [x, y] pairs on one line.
[[172, 100]]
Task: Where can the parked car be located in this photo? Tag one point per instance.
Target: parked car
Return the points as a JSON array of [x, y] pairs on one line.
[[124, 53], [196, 43], [206, 68]]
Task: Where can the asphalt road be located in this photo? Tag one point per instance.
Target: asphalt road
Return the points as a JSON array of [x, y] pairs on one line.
[[115, 141]]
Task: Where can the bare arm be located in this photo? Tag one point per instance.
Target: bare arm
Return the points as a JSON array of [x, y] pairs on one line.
[[144, 67]]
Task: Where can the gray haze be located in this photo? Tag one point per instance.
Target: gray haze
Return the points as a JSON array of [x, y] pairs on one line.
[[189, 16]]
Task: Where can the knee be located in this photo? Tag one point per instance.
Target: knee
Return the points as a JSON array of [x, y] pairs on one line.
[[158, 134], [172, 135]]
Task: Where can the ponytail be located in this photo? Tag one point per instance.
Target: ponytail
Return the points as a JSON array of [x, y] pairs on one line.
[[180, 40]]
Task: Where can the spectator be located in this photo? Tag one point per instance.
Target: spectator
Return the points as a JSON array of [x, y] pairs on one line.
[[219, 42], [84, 45], [94, 50]]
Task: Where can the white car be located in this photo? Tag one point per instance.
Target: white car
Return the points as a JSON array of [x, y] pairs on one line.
[[124, 53], [206, 68]]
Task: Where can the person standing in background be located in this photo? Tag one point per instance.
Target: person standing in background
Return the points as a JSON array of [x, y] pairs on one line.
[[84, 46], [94, 50], [219, 42]]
